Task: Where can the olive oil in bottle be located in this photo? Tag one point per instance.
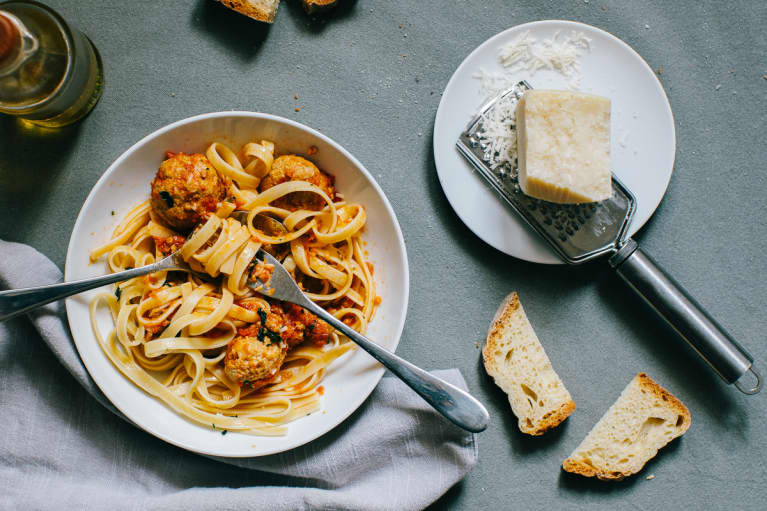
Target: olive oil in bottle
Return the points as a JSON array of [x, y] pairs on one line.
[[50, 73]]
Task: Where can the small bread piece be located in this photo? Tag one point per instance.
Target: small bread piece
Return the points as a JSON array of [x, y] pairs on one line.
[[261, 10], [515, 359], [315, 6], [643, 419]]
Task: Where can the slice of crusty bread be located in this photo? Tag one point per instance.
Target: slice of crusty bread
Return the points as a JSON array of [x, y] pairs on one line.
[[643, 419], [261, 10], [515, 359], [314, 6]]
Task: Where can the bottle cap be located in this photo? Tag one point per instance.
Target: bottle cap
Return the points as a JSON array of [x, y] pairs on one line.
[[10, 40]]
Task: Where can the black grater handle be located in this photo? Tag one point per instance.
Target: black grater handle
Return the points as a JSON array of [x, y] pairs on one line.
[[688, 319]]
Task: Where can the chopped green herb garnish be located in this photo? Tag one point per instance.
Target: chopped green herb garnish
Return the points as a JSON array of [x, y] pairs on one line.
[[113, 212], [264, 332], [118, 292], [214, 427], [166, 283], [224, 432], [129, 267], [274, 336], [167, 198]]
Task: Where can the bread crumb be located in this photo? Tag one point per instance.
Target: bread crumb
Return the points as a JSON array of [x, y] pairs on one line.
[[650, 477], [660, 70], [764, 76], [295, 97], [298, 109], [312, 150]]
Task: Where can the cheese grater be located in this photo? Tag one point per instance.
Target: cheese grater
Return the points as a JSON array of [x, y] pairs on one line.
[[577, 232], [583, 232]]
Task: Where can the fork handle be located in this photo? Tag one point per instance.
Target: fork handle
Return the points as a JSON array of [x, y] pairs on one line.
[[688, 319], [18, 301], [458, 406]]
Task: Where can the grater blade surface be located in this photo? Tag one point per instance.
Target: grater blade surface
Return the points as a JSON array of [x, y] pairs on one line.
[[576, 232]]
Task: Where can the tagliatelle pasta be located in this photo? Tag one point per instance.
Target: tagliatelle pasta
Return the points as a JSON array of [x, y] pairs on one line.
[[174, 332]]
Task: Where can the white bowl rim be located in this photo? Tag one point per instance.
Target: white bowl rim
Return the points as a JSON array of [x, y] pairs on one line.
[[253, 115]]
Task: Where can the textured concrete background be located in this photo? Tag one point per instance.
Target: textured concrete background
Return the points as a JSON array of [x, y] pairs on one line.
[[168, 60]]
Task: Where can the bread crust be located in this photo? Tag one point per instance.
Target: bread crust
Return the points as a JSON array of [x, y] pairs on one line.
[[552, 419], [315, 6], [646, 383], [503, 314], [244, 7], [508, 306]]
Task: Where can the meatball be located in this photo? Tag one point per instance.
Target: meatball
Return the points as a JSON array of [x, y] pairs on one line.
[[295, 168], [249, 361], [166, 246], [186, 190], [292, 323], [299, 325], [313, 328]]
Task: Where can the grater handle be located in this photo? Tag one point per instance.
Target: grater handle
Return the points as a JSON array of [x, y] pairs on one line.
[[688, 319]]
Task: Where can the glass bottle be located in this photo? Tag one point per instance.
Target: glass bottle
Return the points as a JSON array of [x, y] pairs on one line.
[[50, 73]]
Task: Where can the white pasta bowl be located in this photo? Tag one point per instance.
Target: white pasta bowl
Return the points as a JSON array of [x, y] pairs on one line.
[[348, 381]]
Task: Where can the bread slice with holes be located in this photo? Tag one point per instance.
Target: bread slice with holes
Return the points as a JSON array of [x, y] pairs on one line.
[[261, 10], [644, 418], [515, 359]]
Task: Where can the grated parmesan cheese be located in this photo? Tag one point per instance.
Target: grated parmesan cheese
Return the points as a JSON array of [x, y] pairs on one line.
[[560, 53], [498, 135]]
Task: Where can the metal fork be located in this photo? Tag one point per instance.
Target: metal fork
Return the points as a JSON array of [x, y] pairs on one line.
[[18, 301], [458, 406]]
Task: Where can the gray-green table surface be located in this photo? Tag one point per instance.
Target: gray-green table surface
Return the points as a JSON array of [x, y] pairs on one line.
[[168, 60]]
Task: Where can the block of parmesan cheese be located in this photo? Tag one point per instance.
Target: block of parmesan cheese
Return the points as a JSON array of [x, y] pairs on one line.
[[563, 141]]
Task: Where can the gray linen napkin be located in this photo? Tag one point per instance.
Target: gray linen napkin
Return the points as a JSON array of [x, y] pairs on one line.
[[59, 450]]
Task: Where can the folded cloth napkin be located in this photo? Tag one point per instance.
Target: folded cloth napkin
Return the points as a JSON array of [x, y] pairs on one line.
[[58, 450]]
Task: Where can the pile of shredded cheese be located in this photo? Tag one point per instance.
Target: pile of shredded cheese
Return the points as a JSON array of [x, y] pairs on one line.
[[560, 53], [498, 134]]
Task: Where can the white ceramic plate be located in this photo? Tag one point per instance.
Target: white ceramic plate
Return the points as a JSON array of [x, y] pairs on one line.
[[126, 183], [643, 137]]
